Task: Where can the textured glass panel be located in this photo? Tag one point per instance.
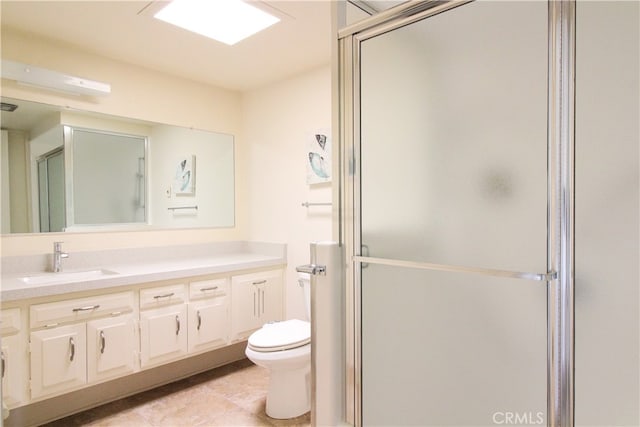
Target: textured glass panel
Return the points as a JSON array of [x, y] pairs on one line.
[[102, 193], [43, 199], [607, 215], [451, 349], [453, 138], [55, 186]]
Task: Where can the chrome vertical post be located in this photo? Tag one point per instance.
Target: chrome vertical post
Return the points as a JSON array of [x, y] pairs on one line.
[[560, 292]]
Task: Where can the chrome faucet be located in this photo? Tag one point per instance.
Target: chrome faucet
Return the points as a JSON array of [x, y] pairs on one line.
[[58, 254]]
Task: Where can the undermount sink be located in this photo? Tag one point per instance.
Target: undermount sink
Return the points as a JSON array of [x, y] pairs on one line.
[[66, 277]]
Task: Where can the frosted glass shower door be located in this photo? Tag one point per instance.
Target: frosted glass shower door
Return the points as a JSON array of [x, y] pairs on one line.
[[452, 197], [607, 214]]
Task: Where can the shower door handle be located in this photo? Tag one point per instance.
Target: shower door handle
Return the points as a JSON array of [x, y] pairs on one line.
[[313, 269]]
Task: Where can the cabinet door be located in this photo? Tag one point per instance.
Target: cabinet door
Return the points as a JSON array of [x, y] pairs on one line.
[[163, 334], [255, 300], [58, 359], [13, 364], [110, 347], [208, 324], [245, 306], [271, 297], [15, 358]]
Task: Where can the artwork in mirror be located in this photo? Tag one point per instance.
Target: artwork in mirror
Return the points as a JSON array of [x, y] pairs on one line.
[[69, 170]]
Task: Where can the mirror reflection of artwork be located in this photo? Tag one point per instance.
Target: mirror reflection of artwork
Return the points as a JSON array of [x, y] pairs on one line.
[[319, 158], [184, 178]]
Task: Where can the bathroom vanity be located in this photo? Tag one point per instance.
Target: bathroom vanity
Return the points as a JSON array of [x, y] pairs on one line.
[[114, 323]]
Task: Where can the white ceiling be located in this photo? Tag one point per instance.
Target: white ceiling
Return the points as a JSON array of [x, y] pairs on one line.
[[125, 31]]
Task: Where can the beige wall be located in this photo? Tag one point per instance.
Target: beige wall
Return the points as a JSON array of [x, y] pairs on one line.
[[277, 121], [138, 93]]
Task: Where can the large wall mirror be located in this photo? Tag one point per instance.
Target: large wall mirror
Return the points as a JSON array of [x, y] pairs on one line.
[[68, 170]]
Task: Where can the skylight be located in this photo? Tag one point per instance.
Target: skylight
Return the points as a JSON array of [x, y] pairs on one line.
[[227, 21]]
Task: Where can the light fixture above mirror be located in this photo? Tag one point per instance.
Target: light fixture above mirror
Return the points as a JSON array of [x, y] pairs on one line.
[[53, 80]]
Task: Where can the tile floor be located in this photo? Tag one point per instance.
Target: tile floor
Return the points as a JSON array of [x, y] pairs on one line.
[[232, 395]]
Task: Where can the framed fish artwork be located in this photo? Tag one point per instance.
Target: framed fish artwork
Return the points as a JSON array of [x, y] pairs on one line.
[[319, 158]]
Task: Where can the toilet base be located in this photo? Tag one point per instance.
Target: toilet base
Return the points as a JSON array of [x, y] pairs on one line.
[[289, 393]]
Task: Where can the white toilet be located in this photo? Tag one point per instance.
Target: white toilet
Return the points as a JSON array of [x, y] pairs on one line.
[[285, 349]]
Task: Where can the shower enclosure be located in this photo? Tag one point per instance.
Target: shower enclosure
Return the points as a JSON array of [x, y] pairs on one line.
[[489, 195]]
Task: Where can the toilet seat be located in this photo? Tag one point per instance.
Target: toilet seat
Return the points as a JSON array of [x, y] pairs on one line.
[[280, 336]]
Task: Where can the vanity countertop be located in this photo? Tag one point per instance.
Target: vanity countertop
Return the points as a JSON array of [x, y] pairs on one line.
[[144, 270]]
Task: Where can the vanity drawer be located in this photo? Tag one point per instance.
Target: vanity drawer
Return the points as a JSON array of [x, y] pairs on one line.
[[163, 295], [10, 322], [53, 313], [212, 288]]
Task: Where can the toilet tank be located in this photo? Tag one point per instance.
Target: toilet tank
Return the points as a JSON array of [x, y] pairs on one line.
[[304, 280]]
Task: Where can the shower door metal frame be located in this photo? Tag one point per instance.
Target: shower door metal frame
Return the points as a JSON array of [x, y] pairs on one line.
[[559, 277]]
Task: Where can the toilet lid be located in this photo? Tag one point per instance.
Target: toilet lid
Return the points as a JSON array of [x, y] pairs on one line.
[[281, 336]]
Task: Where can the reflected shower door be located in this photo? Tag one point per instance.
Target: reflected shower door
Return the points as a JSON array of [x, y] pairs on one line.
[[51, 191], [452, 198]]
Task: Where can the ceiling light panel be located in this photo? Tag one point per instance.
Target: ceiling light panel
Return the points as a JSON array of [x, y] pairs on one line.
[[227, 21]]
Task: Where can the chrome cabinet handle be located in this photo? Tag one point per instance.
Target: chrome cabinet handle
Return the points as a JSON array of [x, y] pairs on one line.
[[72, 347], [103, 342], [177, 325], [259, 282], [211, 288], [4, 364], [199, 320], [170, 294], [86, 308]]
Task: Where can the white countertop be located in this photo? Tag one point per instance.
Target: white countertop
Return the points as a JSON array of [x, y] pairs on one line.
[[131, 273]]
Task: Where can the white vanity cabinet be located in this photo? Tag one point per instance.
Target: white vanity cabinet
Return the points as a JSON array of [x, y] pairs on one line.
[[117, 334], [208, 314], [163, 324], [256, 299], [14, 358], [69, 342]]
